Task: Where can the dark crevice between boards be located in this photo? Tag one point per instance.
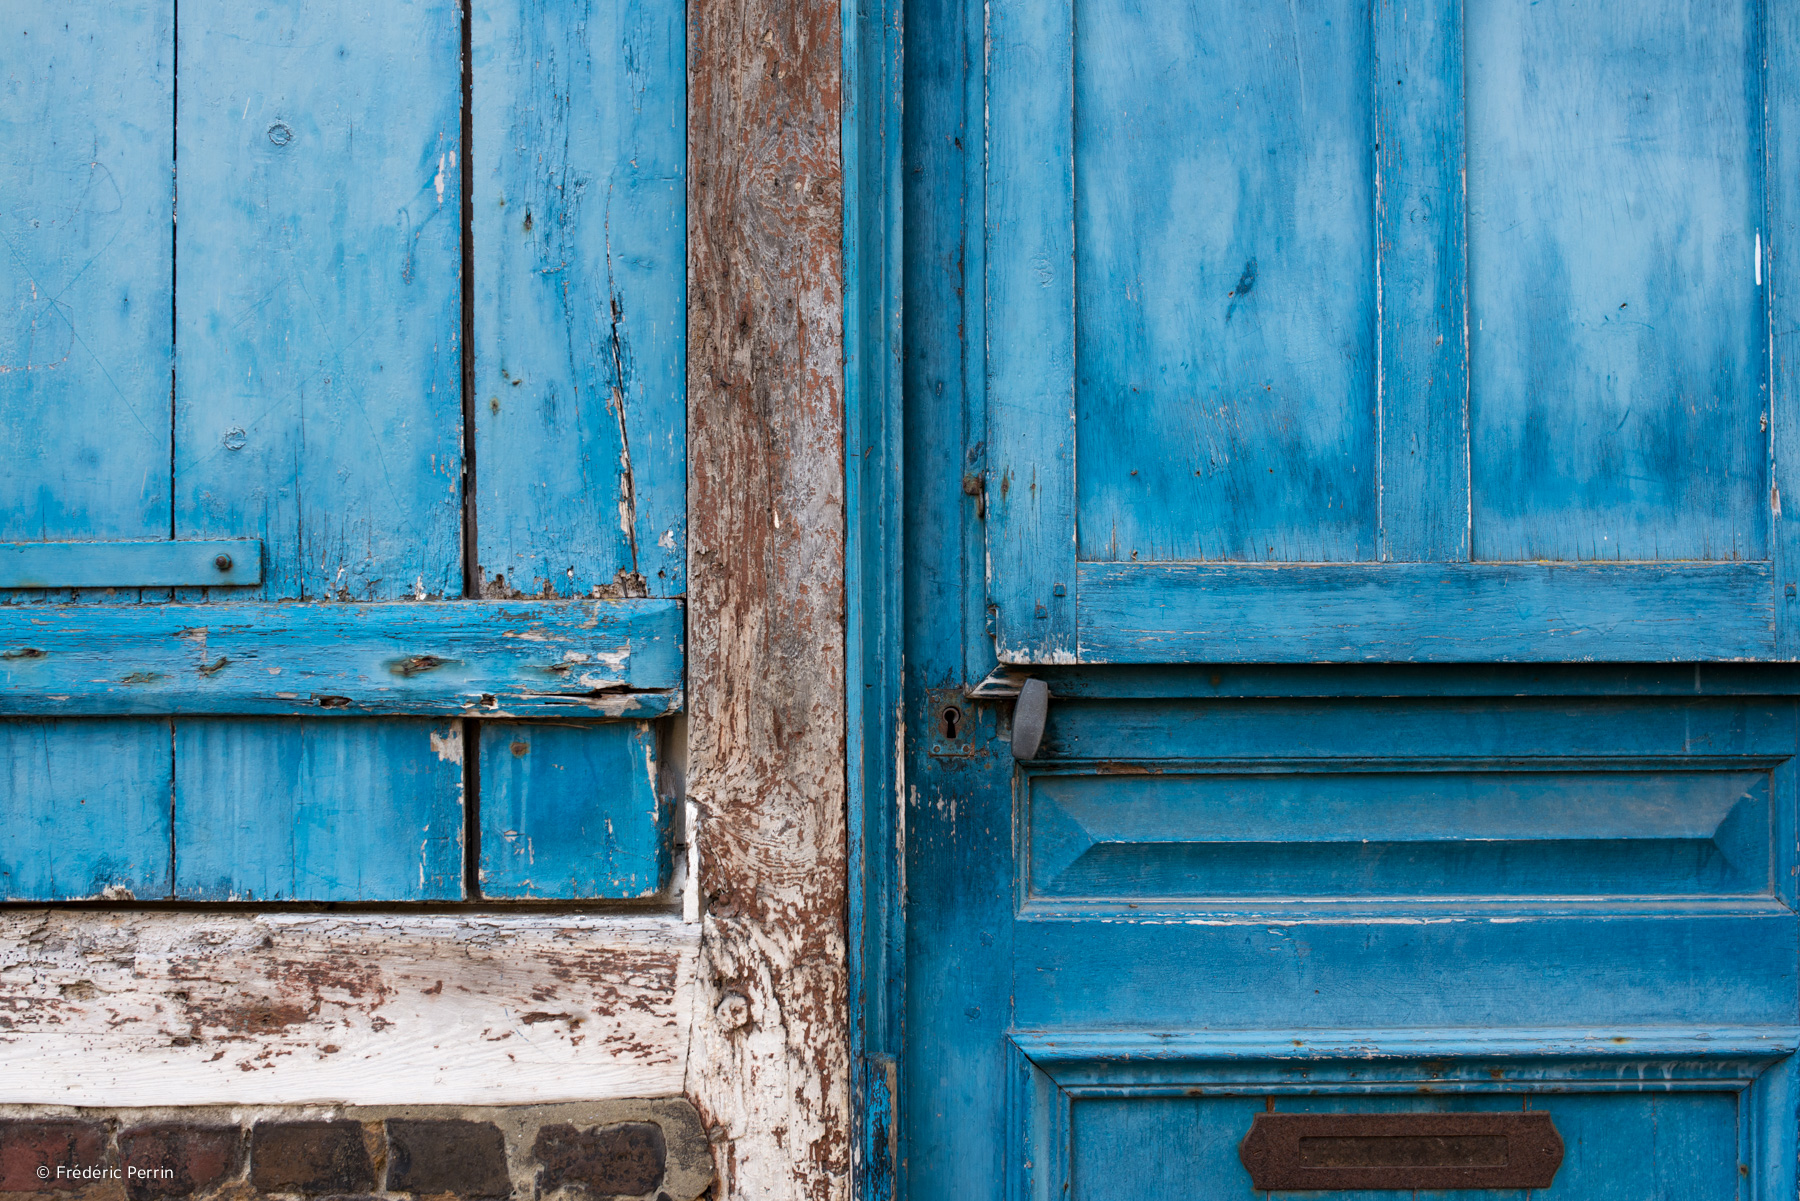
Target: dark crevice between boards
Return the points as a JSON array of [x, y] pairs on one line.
[[174, 263], [471, 736], [470, 563]]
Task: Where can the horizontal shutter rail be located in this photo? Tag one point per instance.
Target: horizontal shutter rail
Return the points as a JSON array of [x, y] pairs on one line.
[[211, 563], [1425, 612], [572, 659]]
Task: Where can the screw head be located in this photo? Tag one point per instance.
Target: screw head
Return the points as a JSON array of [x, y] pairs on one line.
[[223, 562]]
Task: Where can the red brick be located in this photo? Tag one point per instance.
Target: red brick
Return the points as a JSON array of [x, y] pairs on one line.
[[32, 1151], [310, 1157], [198, 1156]]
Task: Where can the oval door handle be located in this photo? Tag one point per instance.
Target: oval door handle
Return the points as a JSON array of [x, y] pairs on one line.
[[1028, 718]]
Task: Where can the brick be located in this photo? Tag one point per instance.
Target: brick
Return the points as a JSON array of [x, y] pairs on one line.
[[451, 1155], [310, 1157], [27, 1146], [197, 1158], [622, 1160]]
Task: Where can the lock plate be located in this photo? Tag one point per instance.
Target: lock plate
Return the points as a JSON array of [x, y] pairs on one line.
[[956, 726]]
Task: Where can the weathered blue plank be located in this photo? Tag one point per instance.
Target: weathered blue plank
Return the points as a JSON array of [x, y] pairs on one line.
[[1618, 400], [1647, 612], [1420, 265], [86, 261], [84, 810], [1780, 279], [1030, 486], [586, 658], [572, 811], [580, 299], [278, 810], [318, 376], [130, 564], [1225, 395]]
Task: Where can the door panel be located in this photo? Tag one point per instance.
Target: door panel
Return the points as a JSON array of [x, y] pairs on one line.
[[1616, 348], [1225, 406], [1667, 1147], [1276, 316]]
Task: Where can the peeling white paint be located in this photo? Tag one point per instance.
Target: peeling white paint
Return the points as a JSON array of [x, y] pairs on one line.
[[448, 746]]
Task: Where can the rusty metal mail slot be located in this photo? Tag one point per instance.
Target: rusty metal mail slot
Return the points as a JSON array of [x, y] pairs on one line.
[[1514, 1150]]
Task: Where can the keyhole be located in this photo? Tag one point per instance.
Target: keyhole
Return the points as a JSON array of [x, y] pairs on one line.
[[951, 716]]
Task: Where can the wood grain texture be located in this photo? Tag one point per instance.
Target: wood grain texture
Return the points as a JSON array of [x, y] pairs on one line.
[[1642, 612], [1030, 294], [1423, 370], [572, 811], [1618, 339], [1225, 402], [580, 387], [581, 658], [84, 810], [1780, 258], [770, 1065], [271, 809], [172, 1009], [86, 268], [319, 359]]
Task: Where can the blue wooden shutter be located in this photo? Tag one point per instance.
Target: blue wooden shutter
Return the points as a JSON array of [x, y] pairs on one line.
[[1364, 332], [235, 647]]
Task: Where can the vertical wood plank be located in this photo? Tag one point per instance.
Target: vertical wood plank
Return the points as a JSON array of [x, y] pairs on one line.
[[1780, 49], [86, 133], [279, 809], [1419, 230], [1031, 332], [571, 811], [770, 1065], [87, 112], [1225, 400], [579, 195], [84, 809], [319, 405], [318, 384], [1617, 326]]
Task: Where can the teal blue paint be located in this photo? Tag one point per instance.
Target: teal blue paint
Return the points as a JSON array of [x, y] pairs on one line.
[[572, 659], [314, 432], [1211, 839], [579, 194], [873, 570], [1369, 286], [130, 565], [1618, 335], [319, 346], [86, 135], [279, 810], [1223, 401], [84, 810], [572, 812], [1298, 833], [1663, 612]]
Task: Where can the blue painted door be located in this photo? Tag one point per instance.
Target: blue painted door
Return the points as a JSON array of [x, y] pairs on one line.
[[1274, 374], [346, 447]]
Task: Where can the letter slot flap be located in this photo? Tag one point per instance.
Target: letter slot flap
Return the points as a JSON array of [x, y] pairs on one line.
[[1316, 1151]]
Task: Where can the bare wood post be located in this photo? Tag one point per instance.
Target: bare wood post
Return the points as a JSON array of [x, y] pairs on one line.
[[770, 1062]]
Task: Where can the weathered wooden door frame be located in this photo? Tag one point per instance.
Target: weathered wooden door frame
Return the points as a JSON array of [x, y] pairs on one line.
[[873, 496]]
